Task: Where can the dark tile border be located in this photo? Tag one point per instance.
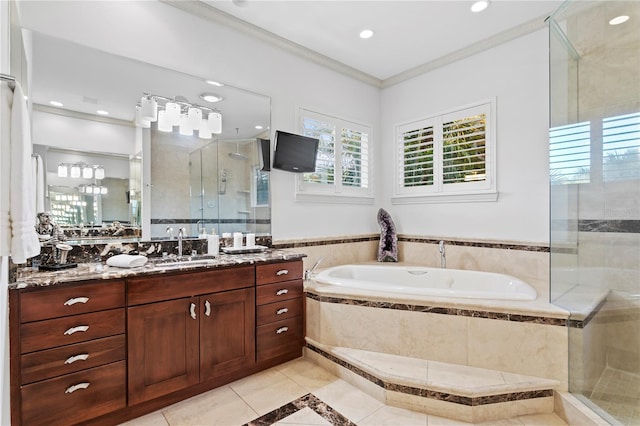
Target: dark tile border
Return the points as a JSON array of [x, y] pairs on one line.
[[413, 239], [562, 322], [432, 394], [310, 401]]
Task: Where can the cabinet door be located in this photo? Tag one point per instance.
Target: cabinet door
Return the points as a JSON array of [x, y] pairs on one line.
[[163, 348], [227, 324]]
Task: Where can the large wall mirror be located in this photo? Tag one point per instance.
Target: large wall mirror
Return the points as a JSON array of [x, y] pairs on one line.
[[110, 170]]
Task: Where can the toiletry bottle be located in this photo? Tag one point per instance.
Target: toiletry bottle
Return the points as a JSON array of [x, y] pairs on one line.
[[203, 234], [213, 244]]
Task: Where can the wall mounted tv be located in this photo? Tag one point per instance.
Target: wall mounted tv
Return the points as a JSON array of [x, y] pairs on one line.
[[295, 153]]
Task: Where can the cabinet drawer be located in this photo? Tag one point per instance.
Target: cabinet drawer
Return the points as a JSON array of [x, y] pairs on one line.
[[50, 363], [168, 287], [76, 397], [35, 336], [279, 311], [278, 272], [78, 299], [279, 291], [279, 337]]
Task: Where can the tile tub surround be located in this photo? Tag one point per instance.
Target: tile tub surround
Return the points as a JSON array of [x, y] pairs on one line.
[[458, 392], [527, 261], [529, 338]]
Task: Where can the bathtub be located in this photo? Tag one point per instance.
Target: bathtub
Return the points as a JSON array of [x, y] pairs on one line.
[[424, 281]]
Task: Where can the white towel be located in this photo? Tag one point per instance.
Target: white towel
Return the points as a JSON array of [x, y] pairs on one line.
[[127, 261], [38, 175], [6, 95], [24, 239]]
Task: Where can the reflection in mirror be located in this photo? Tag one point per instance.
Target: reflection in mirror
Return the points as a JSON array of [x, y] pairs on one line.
[[100, 94]]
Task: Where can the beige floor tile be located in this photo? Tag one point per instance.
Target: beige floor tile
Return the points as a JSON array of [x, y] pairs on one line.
[[443, 421], [542, 420], [395, 416], [306, 417], [220, 406], [153, 419], [268, 390], [307, 374], [348, 400]]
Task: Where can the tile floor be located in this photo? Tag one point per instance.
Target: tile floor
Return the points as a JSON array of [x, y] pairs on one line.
[[618, 393], [301, 393]]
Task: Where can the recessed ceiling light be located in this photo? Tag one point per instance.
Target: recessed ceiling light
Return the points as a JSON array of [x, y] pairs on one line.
[[214, 83], [479, 6], [210, 97], [366, 34], [56, 103], [259, 127], [102, 112], [619, 20]]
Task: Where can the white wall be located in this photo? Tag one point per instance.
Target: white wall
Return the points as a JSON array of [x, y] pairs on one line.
[[516, 74], [162, 35]]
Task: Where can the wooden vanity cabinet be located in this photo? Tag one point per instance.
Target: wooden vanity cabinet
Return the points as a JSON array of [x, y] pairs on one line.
[[279, 310], [67, 353], [184, 341]]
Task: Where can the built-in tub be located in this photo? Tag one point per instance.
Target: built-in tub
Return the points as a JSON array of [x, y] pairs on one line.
[[424, 281]]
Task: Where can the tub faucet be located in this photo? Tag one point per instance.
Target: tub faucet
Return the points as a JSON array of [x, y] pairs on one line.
[[443, 257], [308, 272], [181, 232]]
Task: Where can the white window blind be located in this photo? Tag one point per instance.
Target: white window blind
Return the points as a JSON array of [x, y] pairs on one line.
[[621, 147], [343, 160], [570, 153], [447, 157]]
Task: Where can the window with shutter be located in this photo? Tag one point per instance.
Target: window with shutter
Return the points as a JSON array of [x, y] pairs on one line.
[[570, 153], [621, 147], [343, 161], [447, 157]]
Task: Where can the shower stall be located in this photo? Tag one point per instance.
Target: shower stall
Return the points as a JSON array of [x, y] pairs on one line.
[[594, 169]]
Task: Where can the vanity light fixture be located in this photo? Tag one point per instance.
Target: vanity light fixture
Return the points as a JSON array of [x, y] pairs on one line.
[[141, 122], [87, 172], [619, 20], [479, 6], [215, 122], [204, 132], [149, 109], [99, 172], [63, 170], [185, 125], [194, 115], [75, 170], [164, 123], [172, 113]]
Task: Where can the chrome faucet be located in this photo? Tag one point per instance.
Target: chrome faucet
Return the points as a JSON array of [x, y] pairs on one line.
[[181, 232], [443, 257], [308, 272]]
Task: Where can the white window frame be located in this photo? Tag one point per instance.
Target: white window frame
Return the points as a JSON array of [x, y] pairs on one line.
[[336, 193], [439, 192]]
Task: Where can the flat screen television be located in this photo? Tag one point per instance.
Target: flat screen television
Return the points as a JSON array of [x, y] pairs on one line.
[[295, 153]]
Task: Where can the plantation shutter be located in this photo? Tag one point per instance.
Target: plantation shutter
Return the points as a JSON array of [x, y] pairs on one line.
[[355, 158], [464, 149], [416, 157], [570, 153], [621, 147], [325, 159]]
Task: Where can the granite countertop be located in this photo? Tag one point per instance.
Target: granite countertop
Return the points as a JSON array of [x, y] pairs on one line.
[[29, 278]]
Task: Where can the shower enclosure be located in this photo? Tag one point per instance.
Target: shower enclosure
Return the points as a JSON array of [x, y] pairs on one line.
[[594, 165]]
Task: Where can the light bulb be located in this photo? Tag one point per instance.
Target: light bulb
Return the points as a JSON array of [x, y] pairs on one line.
[[185, 127], [99, 172], [75, 171], [63, 171], [215, 122], [172, 113], [195, 116], [164, 124], [87, 172], [149, 109]]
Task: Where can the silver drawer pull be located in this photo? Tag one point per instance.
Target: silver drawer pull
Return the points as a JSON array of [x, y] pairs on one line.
[[281, 292], [72, 330], [74, 358], [73, 388], [282, 311], [192, 310], [282, 330], [75, 300], [207, 308], [282, 272]]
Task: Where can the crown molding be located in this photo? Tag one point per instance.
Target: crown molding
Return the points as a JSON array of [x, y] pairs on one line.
[[203, 10], [81, 115]]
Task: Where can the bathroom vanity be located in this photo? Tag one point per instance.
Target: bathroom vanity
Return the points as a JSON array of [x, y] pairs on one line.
[[107, 349]]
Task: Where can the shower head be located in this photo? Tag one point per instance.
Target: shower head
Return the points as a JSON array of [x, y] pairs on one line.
[[238, 155]]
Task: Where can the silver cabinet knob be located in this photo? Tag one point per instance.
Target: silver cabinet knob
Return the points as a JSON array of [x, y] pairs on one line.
[[282, 272], [75, 300], [73, 388], [282, 330], [74, 358], [281, 292], [207, 308], [192, 310], [80, 328], [282, 311]]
